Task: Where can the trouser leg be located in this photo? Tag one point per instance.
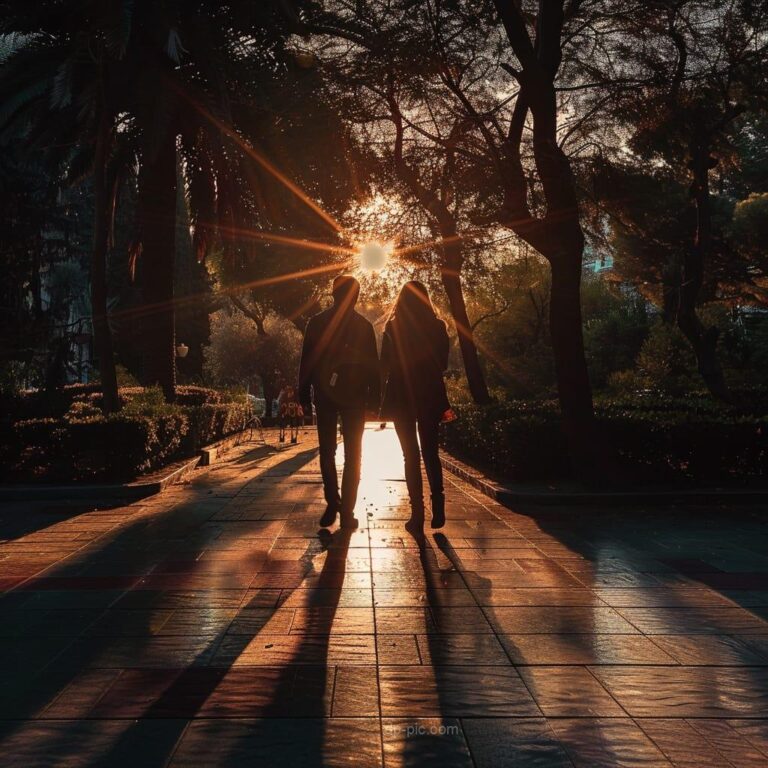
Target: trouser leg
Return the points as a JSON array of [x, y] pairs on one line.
[[406, 433], [430, 451], [326, 434], [352, 427]]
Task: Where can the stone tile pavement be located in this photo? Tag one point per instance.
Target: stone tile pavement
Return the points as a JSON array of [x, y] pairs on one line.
[[214, 625]]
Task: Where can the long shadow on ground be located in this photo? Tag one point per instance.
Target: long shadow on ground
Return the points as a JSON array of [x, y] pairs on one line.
[[27, 692]]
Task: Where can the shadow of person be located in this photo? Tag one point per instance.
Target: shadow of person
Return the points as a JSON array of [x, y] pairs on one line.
[[292, 723], [313, 648], [291, 702], [145, 540], [538, 744], [437, 741]]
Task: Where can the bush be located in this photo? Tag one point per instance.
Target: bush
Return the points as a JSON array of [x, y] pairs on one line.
[[80, 443], [209, 422], [665, 362], [522, 442], [653, 440]]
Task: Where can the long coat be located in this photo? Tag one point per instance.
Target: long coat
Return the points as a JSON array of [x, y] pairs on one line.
[[413, 360]]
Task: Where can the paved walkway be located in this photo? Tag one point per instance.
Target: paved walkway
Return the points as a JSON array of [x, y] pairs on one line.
[[212, 625]]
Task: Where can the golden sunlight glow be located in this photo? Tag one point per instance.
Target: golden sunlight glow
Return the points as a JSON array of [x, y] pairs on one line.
[[381, 475], [374, 255]]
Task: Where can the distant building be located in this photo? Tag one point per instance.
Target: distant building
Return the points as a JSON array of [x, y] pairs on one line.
[[598, 265]]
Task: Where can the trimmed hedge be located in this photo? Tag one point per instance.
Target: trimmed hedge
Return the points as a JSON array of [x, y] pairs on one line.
[[659, 443], [81, 444], [39, 404]]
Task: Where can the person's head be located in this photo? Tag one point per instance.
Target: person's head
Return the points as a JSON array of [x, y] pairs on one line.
[[413, 304], [345, 291]]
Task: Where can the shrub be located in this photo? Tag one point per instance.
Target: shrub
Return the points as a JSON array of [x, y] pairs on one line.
[[653, 440], [522, 442], [665, 362], [210, 422], [190, 395], [80, 443]]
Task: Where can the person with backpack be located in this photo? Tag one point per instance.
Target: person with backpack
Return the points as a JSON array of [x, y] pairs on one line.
[[291, 414], [339, 371]]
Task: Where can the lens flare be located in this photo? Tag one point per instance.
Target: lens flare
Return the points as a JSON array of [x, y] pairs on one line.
[[374, 255]]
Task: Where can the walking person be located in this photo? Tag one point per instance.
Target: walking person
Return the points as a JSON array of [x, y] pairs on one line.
[[414, 357], [339, 371], [282, 413], [291, 414]]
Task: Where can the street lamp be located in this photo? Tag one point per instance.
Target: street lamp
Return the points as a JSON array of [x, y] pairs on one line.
[[182, 350]]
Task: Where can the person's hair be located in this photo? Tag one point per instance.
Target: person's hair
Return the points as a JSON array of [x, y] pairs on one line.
[[345, 290], [413, 305]]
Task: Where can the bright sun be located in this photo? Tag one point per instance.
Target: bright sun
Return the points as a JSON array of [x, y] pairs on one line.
[[374, 255]]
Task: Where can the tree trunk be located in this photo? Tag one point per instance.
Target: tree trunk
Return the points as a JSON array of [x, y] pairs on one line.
[[157, 220], [451, 278], [257, 317], [558, 236], [573, 387], [102, 335], [561, 241], [703, 340]]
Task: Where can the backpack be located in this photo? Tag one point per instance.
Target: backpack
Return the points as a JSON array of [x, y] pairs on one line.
[[342, 372]]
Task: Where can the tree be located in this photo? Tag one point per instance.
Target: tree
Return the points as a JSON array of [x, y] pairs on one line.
[[557, 233], [698, 71], [286, 244], [437, 200], [239, 355], [57, 91], [749, 229], [45, 254]]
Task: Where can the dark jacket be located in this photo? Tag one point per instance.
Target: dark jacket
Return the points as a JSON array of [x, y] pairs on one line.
[[413, 361], [339, 361]]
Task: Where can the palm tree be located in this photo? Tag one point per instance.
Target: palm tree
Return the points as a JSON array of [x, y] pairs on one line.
[[148, 83], [184, 63], [55, 89]]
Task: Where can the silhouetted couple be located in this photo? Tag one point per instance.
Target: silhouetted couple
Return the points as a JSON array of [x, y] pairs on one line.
[[340, 367]]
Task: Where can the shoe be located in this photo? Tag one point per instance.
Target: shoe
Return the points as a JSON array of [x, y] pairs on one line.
[[329, 516], [438, 510], [415, 526], [415, 523], [349, 522]]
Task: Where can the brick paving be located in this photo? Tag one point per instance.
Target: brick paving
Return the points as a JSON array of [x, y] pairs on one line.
[[214, 625]]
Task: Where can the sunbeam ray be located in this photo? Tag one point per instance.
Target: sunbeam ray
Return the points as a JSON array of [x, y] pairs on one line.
[[149, 309], [249, 150], [416, 247], [254, 234]]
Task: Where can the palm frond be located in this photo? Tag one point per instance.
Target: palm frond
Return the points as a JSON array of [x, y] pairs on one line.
[[118, 27], [80, 164], [61, 88]]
